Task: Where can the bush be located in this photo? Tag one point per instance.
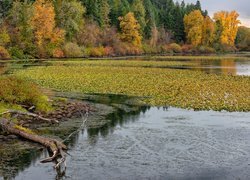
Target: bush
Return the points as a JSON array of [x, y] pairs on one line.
[[187, 48], [58, 53], [4, 54], [147, 49], [19, 92], [109, 51], [72, 50], [96, 52], [176, 48], [224, 48], [166, 49], [17, 53], [206, 50], [122, 49]]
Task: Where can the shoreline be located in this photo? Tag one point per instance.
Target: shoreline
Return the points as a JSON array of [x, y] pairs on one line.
[[166, 56]]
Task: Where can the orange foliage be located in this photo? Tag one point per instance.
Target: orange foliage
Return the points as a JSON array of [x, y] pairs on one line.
[[58, 53], [44, 24], [4, 54]]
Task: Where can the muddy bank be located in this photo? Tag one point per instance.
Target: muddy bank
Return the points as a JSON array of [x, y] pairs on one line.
[[24, 153]]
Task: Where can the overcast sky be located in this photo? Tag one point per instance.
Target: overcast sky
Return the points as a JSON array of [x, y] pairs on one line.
[[241, 6]]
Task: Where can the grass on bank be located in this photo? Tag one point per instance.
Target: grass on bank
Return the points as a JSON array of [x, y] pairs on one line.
[[19, 94], [179, 88]]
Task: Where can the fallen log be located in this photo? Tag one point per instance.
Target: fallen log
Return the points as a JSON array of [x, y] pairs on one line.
[[30, 114], [55, 147]]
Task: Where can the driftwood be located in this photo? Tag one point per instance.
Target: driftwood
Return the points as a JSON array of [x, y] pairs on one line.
[[55, 147], [30, 114]]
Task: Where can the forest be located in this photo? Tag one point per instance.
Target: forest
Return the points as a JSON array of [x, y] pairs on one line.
[[103, 28]]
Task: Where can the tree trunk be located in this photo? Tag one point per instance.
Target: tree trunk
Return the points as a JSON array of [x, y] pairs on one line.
[[54, 146]]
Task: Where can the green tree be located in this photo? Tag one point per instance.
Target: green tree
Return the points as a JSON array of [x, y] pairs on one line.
[[21, 30], [104, 13], [138, 9], [243, 38], [70, 17]]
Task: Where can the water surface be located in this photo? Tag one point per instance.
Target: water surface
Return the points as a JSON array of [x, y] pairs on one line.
[[160, 143]]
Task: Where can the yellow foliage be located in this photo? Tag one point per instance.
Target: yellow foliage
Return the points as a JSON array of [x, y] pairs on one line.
[[193, 23], [130, 29], [208, 31], [227, 25]]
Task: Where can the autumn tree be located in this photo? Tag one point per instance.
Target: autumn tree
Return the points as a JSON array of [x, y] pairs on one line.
[[226, 27], [47, 36], [130, 29], [208, 31], [194, 27]]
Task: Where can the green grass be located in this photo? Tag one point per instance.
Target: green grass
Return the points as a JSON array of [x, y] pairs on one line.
[[179, 88]]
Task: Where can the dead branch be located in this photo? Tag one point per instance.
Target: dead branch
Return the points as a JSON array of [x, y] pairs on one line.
[[30, 114], [54, 146]]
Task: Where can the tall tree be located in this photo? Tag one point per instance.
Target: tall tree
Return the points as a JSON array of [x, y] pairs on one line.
[[104, 13], [20, 17], [43, 21], [5, 6], [208, 31], [227, 26], [193, 27], [69, 16], [130, 29], [139, 12]]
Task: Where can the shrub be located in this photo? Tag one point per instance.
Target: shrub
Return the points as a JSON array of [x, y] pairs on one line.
[[72, 50], [17, 53], [206, 49], [166, 49], [4, 54], [96, 52], [176, 48], [224, 48], [58, 53], [122, 48], [147, 49], [187, 48], [109, 51], [19, 92]]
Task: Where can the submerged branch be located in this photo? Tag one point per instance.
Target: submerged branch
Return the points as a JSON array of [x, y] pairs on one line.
[[54, 146]]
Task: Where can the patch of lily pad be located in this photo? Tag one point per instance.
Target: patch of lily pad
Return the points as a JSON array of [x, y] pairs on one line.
[[159, 86]]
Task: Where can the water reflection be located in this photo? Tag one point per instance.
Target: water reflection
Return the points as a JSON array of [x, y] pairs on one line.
[[13, 162], [15, 158], [119, 118], [223, 66]]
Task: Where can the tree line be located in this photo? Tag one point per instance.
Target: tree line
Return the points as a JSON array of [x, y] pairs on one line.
[[77, 28]]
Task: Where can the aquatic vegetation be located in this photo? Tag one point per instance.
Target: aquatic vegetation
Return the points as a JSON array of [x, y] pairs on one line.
[[159, 86], [122, 63]]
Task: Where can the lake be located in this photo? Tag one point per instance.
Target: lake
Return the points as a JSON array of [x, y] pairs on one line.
[[126, 140]]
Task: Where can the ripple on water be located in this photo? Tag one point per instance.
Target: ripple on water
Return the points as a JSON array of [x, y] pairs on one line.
[[160, 144]]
